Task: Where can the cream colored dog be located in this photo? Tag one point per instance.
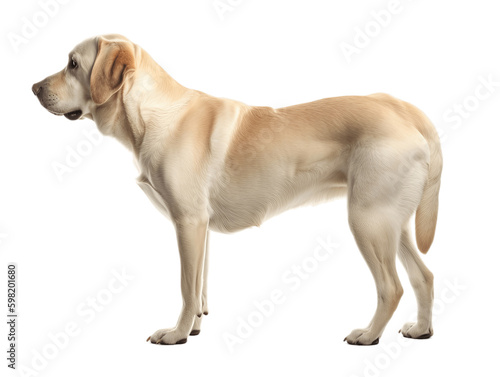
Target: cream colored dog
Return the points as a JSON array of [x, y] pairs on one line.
[[216, 164]]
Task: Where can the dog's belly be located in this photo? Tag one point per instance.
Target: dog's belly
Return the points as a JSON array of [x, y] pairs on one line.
[[233, 217], [246, 200]]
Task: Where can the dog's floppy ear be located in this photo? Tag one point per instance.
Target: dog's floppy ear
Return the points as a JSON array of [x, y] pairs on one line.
[[114, 61]]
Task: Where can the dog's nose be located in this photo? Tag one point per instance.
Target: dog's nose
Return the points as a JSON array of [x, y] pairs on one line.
[[36, 88]]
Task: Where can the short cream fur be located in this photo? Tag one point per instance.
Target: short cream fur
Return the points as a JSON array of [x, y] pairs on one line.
[[212, 164]]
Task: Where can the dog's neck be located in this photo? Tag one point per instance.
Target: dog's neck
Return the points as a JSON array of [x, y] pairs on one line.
[[149, 99]]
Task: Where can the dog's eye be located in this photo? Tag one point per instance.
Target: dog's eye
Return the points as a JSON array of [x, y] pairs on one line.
[[73, 64]]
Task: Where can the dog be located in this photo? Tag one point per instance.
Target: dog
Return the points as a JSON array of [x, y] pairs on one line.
[[212, 164]]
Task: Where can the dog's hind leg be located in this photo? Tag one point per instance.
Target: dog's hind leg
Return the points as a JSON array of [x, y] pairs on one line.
[[377, 239], [385, 185], [421, 280]]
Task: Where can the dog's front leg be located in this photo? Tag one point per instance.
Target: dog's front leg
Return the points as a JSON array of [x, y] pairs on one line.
[[204, 304], [191, 236]]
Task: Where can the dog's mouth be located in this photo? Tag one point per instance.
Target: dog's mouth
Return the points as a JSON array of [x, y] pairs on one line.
[[73, 115]]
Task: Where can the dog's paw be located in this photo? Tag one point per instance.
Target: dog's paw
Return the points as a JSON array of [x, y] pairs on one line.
[[416, 330], [362, 337], [168, 337], [195, 330]]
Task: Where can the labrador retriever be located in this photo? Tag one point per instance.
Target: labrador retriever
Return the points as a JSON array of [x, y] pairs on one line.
[[212, 164]]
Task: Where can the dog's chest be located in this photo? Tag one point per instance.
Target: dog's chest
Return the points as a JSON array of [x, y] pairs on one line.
[[153, 195]]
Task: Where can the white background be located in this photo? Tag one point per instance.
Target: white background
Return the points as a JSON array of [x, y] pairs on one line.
[[68, 236]]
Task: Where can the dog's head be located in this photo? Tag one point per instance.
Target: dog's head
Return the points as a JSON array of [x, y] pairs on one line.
[[97, 69]]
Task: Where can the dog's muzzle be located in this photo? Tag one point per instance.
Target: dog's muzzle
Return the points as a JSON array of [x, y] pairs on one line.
[[72, 115]]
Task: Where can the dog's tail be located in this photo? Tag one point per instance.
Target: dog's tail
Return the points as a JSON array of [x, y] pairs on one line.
[[427, 210]]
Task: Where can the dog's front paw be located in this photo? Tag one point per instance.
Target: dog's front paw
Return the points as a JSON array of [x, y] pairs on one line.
[[416, 330], [168, 337], [195, 330], [362, 337]]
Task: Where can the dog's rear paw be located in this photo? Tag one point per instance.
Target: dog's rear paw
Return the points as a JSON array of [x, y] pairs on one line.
[[362, 337], [168, 337], [416, 330]]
